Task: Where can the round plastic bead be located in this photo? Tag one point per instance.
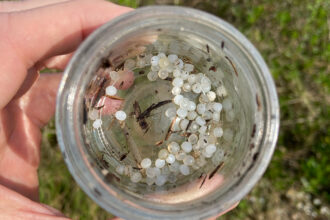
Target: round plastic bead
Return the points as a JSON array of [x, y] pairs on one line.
[[154, 60], [97, 123], [218, 132], [186, 147], [120, 115], [145, 163], [162, 154], [111, 91], [173, 147], [177, 82], [159, 163], [170, 158], [184, 170], [176, 90], [182, 113]]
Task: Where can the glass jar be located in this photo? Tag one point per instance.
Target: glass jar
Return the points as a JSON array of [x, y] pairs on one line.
[[217, 49]]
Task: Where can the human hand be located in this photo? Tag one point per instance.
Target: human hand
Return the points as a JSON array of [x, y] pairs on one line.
[[35, 34]]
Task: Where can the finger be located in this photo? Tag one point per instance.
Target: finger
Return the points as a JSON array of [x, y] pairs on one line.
[[39, 102], [58, 62], [45, 35], [20, 124], [74, 20], [26, 5]]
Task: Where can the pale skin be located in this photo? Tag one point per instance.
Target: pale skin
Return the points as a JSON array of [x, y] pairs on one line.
[[35, 34]]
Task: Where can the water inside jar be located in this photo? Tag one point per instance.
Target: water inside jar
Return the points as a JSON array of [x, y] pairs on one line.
[[115, 143]]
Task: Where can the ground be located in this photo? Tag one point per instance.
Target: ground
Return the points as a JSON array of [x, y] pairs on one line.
[[293, 37]]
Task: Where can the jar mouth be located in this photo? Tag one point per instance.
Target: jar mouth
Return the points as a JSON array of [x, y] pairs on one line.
[[239, 53]]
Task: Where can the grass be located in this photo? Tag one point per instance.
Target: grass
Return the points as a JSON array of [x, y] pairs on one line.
[[293, 37]]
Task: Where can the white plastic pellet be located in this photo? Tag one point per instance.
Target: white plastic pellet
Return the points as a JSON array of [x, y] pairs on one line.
[[202, 129], [191, 79], [218, 132], [177, 82], [188, 67], [154, 60], [184, 75], [129, 64], [136, 177], [211, 95], [207, 115], [196, 88], [212, 139], [180, 155], [184, 170], [163, 74], [162, 154], [193, 138], [150, 181], [170, 158], [93, 114], [152, 76], [203, 98], [176, 73], [184, 104], [97, 123], [177, 99], [161, 55], [151, 172], [172, 58], [145, 163], [191, 115], [191, 106], [210, 149], [163, 63], [176, 90], [186, 87], [217, 107], [173, 147], [194, 127], [179, 64], [159, 163], [111, 91], [120, 169], [221, 91], [201, 108], [120, 115], [216, 116], [170, 112], [160, 180], [186, 147], [188, 160], [199, 120], [182, 113], [184, 124], [218, 156]]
